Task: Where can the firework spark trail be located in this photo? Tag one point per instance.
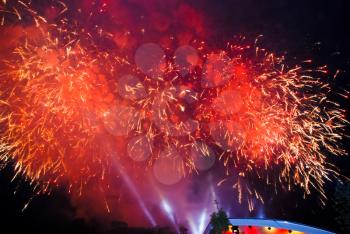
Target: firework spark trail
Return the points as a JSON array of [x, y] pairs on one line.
[[16, 11]]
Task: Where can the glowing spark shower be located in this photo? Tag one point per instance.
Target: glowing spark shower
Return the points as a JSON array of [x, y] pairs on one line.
[[54, 100], [272, 121], [70, 108]]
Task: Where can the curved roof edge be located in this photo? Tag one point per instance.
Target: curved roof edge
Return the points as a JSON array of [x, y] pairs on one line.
[[276, 224]]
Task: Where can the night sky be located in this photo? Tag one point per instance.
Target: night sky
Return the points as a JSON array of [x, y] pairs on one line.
[[301, 30]]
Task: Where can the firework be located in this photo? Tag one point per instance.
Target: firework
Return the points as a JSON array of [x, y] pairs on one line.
[[55, 110], [69, 108], [272, 122], [268, 121]]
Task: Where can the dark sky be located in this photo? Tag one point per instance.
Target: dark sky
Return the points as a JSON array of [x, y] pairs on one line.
[[306, 29]]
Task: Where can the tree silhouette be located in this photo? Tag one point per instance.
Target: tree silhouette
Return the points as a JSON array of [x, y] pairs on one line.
[[219, 222]]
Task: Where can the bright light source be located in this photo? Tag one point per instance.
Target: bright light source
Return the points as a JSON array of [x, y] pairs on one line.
[[167, 208]]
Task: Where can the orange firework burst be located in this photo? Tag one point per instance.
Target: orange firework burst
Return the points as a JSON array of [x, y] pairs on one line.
[[272, 122], [54, 104], [61, 123]]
